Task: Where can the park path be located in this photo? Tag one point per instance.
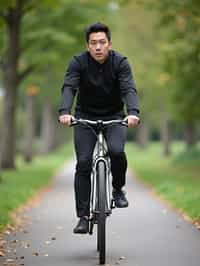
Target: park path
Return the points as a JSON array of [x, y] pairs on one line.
[[145, 234]]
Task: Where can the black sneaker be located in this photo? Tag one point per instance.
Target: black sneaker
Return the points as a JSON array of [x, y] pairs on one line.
[[82, 226], [119, 198]]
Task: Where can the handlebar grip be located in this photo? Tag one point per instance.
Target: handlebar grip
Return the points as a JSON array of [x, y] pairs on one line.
[[73, 122]]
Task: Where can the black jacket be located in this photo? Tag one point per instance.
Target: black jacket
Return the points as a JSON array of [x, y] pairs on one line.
[[101, 89]]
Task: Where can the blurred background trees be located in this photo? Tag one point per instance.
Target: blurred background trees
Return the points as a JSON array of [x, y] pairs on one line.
[[38, 38]]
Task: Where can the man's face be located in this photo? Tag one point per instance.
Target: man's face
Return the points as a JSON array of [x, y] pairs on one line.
[[98, 46]]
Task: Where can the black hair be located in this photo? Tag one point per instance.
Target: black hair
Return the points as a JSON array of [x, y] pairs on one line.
[[98, 27]]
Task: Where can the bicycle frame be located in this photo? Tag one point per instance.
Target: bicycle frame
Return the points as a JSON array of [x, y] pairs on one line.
[[100, 156]]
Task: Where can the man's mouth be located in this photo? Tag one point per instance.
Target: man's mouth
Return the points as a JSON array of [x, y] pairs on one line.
[[99, 54]]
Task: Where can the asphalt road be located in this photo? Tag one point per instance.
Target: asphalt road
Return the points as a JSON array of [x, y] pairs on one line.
[[145, 234]]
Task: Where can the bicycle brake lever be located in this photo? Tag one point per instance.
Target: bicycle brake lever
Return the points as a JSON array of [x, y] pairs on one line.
[[73, 123], [125, 122]]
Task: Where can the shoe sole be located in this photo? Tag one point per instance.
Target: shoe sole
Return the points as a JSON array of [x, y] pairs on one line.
[[125, 206], [80, 232]]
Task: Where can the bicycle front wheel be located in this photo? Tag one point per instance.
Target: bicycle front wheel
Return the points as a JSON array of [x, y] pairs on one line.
[[101, 225]]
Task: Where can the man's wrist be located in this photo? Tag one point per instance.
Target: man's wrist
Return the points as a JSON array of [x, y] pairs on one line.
[[134, 116], [64, 112]]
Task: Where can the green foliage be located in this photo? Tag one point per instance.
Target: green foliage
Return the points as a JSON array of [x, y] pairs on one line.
[[18, 186], [188, 156], [181, 54], [176, 180], [135, 36]]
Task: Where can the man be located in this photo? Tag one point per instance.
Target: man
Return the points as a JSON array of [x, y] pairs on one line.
[[103, 82]]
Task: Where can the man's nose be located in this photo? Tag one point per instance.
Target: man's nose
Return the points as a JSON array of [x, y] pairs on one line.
[[98, 47]]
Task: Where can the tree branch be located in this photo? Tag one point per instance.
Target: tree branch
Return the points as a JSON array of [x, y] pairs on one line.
[[25, 73]]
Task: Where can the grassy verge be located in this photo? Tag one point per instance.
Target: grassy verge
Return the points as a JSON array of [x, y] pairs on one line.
[[20, 185], [176, 178]]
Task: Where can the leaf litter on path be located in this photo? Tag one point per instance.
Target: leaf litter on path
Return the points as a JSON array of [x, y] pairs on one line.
[[36, 254]]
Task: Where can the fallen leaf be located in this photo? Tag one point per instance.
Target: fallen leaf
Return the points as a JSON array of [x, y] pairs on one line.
[[15, 241], [3, 242], [2, 253], [10, 227], [35, 254]]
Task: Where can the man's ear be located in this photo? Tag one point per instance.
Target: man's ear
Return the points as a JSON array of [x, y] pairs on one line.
[[110, 45], [87, 47]]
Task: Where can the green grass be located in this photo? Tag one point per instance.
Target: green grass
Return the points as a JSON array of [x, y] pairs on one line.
[[20, 185], [176, 178]]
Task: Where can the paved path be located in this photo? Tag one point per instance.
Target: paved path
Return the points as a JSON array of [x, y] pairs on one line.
[[145, 234]]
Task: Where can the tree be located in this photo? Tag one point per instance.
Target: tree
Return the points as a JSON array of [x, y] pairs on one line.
[[181, 49], [12, 13]]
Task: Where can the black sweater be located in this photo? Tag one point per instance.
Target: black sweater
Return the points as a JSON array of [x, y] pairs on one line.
[[101, 89]]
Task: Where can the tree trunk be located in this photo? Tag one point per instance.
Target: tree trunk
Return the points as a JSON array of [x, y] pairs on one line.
[[7, 159], [49, 128], [8, 145], [190, 134], [30, 128], [165, 134], [143, 135]]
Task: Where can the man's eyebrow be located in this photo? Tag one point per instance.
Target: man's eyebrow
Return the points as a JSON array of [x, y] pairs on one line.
[[98, 39]]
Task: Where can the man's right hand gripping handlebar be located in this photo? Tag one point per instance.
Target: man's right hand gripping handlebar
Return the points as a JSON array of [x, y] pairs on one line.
[[66, 119]]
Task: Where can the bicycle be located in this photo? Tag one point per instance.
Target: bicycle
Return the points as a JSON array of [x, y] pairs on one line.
[[101, 201]]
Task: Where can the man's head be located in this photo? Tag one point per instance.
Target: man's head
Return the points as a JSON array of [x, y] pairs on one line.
[[98, 39]]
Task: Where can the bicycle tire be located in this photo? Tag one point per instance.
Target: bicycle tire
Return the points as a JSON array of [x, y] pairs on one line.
[[101, 226]]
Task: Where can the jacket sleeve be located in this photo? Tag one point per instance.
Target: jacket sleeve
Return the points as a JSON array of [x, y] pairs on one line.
[[128, 88], [70, 87]]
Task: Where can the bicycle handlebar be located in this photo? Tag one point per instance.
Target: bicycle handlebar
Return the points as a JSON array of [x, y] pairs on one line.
[[99, 122]]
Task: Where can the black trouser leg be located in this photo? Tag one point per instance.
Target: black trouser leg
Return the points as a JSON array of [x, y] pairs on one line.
[[84, 141], [116, 137]]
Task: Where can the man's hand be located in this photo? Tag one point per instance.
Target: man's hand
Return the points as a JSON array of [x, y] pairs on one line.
[[133, 120], [66, 119]]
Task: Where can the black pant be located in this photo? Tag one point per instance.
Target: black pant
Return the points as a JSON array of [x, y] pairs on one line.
[[84, 141]]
